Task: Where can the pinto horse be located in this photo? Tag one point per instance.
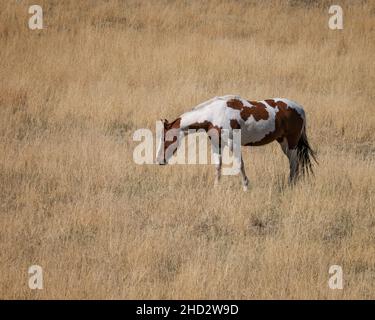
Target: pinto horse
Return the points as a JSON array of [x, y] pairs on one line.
[[260, 122]]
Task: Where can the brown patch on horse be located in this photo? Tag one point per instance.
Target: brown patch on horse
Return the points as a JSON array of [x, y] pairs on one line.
[[235, 104], [205, 125], [214, 132], [294, 126], [258, 111], [234, 124], [274, 104], [288, 124], [271, 102]]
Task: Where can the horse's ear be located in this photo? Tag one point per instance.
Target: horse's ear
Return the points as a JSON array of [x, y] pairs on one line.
[[164, 122]]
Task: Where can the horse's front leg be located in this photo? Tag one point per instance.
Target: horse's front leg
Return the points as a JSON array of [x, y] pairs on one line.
[[245, 180], [215, 137], [218, 164]]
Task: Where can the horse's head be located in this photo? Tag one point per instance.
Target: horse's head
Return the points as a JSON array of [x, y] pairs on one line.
[[169, 141]]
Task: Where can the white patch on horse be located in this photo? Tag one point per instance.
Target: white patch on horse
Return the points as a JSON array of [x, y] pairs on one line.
[[211, 111]]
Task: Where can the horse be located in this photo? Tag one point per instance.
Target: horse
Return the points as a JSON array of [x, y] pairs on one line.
[[259, 122]]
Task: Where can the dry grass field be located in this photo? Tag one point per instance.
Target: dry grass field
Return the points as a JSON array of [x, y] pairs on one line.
[[73, 201]]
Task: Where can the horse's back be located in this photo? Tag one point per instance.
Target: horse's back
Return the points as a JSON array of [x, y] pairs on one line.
[[293, 105]]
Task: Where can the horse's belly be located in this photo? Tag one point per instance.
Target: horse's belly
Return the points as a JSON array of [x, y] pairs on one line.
[[257, 132]]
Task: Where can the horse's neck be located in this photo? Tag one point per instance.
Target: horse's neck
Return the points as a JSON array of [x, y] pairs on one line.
[[194, 120]]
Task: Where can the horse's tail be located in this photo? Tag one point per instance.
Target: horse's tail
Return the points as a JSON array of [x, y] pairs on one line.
[[305, 153]]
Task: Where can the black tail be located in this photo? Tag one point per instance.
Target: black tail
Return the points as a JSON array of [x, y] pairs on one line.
[[305, 153]]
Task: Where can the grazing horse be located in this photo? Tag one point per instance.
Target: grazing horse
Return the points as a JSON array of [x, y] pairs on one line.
[[260, 122]]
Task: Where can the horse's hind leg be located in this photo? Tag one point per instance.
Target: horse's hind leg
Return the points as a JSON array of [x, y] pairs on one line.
[[291, 153], [293, 164]]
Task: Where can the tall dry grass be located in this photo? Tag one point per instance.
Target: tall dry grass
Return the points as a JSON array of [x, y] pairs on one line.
[[74, 202]]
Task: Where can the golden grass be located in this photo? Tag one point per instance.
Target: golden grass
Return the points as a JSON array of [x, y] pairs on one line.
[[74, 202]]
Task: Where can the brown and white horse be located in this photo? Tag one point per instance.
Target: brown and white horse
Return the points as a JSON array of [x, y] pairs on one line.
[[260, 122]]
